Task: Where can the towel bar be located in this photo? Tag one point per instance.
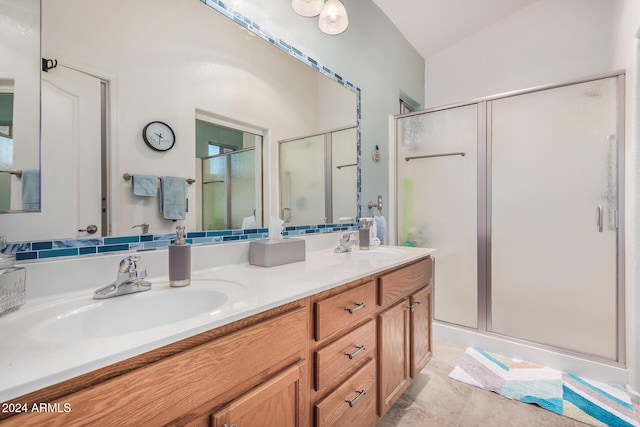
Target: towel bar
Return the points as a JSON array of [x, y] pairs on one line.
[[17, 173], [128, 176]]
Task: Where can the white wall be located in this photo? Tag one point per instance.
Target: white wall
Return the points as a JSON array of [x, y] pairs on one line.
[[548, 42]]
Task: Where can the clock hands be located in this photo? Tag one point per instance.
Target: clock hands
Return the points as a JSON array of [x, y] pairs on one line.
[[159, 136]]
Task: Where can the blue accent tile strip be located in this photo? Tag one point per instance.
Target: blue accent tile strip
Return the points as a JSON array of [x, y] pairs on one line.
[[119, 240], [54, 253], [38, 246], [25, 251], [88, 251], [113, 248], [23, 256]]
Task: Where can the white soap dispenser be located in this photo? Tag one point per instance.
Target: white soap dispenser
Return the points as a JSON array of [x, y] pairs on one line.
[[179, 260]]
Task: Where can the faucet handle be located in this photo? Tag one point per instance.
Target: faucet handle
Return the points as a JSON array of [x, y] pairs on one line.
[[129, 264]]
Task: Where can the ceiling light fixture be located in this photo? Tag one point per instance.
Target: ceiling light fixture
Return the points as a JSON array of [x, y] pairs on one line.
[[307, 8], [333, 15]]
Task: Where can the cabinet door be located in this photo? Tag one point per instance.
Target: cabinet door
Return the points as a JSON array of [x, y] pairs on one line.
[[393, 354], [274, 403], [421, 339]]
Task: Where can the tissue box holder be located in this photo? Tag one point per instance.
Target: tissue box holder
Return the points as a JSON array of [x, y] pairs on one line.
[[269, 253], [12, 289]]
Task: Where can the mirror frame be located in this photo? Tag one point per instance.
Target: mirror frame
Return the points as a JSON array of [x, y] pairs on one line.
[[40, 250]]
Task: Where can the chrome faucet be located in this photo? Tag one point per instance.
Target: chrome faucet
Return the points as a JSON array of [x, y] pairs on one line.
[[346, 241], [128, 280]]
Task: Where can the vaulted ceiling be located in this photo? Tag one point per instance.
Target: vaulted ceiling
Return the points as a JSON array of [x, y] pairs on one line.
[[433, 25]]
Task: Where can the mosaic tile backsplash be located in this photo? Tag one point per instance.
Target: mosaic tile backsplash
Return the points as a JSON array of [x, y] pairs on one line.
[[101, 245]]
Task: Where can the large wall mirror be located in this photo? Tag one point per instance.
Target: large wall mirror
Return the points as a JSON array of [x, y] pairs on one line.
[[228, 96], [19, 106]]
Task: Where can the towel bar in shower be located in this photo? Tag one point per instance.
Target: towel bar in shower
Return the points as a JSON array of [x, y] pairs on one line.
[[17, 173], [128, 176], [428, 156]]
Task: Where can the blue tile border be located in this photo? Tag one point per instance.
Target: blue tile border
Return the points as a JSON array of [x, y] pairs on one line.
[[26, 251]]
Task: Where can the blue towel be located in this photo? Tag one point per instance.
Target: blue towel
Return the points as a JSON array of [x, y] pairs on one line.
[[31, 190], [173, 197], [145, 185]]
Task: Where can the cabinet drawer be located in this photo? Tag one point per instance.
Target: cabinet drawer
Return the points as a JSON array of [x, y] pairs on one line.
[[344, 354], [401, 283], [344, 309], [351, 404]]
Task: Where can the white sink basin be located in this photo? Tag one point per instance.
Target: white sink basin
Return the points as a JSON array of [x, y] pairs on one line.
[[83, 318], [376, 254]]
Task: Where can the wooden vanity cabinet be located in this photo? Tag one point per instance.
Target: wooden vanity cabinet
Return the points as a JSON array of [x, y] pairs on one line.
[[344, 350], [404, 329], [258, 370]]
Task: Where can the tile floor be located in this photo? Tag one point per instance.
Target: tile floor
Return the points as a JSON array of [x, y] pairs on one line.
[[435, 400]]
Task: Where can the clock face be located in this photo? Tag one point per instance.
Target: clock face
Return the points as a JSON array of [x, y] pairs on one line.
[[159, 136]]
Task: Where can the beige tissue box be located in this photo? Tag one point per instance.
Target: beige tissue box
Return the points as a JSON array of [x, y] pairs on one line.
[[269, 253]]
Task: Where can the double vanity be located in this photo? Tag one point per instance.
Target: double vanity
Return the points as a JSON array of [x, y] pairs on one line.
[[332, 340]]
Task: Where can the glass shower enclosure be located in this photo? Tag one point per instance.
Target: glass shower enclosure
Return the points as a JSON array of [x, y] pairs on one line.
[[318, 182], [522, 195], [229, 190]]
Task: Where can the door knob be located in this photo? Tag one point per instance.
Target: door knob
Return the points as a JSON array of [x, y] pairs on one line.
[[90, 229]]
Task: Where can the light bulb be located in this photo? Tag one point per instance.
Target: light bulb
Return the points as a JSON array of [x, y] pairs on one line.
[[333, 18], [307, 7]]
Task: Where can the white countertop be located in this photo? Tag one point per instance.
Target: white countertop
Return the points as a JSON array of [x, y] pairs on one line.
[[31, 359]]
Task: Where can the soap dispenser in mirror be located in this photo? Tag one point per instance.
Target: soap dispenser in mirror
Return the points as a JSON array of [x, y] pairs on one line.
[[179, 260]]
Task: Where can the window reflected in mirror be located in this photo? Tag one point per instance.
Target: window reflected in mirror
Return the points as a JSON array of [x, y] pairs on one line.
[[230, 193]]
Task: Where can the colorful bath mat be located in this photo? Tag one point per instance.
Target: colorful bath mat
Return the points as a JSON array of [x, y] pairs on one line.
[[590, 402]]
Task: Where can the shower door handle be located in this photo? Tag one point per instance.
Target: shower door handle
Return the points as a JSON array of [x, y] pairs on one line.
[[600, 219]]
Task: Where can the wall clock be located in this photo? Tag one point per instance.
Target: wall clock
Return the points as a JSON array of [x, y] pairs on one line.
[[159, 136]]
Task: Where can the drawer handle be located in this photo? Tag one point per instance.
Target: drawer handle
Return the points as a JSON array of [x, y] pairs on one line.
[[359, 349], [411, 308], [354, 401], [357, 307]]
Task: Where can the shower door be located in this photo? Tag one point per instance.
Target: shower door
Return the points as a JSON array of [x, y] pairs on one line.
[[318, 177], [302, 181], [528, 222], [437, 203], [228, 190], [554, 217]]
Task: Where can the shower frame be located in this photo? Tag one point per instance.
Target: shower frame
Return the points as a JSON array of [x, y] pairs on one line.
[[484, 167]]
